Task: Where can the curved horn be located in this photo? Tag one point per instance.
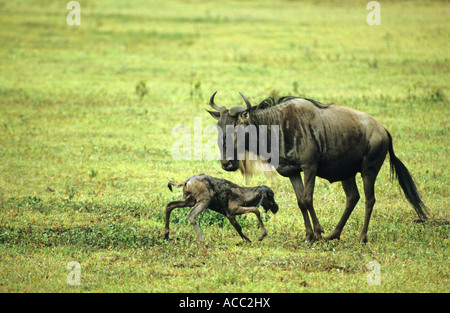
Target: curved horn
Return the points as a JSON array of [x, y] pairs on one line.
[[249, 106], [215, 106], [236, 110]]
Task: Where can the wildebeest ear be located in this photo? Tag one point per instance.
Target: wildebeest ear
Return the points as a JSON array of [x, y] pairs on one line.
[[214, 114]]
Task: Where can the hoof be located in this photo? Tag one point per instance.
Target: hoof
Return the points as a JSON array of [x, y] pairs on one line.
[[166, 236], [309, 238], [333, 237], [363, 239]]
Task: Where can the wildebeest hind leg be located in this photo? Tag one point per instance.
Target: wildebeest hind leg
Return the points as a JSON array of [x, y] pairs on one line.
[[352, 194], [170, 207], [196, 210], [369, 193]]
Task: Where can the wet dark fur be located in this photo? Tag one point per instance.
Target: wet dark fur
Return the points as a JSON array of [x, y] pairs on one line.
[[206, 192]]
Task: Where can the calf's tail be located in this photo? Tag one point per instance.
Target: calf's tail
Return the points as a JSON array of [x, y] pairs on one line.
[[178, 185], [399, 171]]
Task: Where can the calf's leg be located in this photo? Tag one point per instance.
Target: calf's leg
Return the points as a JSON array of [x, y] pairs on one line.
[[244, 210], [169, 208], [188, 202], [238, 228], [192, 215]]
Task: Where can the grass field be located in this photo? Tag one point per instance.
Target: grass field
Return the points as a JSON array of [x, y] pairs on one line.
[[87, 113]]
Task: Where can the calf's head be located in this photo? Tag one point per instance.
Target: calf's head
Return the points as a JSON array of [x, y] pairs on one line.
[[268, 199]]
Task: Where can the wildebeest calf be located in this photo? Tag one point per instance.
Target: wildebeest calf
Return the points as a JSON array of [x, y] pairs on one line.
[[206, 192]]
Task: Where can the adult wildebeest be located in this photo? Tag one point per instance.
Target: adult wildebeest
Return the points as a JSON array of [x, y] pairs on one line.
[[329, 141], [206, 192]]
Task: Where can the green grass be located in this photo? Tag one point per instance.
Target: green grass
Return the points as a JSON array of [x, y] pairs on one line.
[[86, 115]]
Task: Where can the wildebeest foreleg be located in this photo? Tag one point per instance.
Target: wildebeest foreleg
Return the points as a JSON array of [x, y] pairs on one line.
[[297, 183], [238, 228], [352, 194], [244, 210], [310, 180]]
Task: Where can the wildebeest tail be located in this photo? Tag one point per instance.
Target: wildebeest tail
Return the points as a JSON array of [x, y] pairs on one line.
[[178, 185], [399, 171]]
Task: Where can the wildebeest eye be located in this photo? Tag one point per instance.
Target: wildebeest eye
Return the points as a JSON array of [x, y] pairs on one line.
[[244, 115]]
